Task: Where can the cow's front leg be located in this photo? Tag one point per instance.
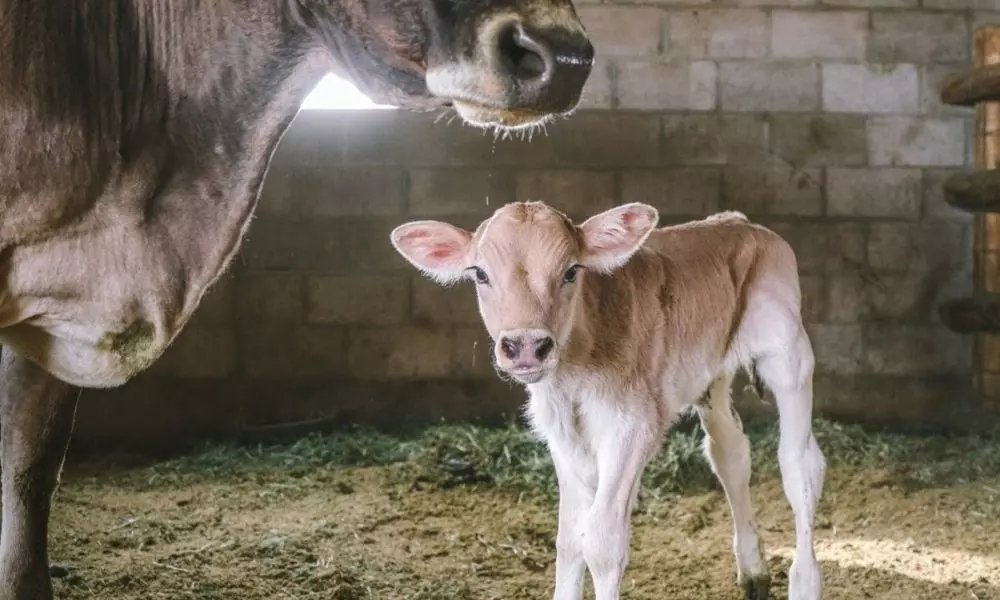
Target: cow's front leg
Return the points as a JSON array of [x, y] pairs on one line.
[[621, 459], [36, 420]]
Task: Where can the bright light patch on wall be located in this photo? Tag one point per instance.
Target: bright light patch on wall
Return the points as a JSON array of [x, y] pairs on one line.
[[334, 93]]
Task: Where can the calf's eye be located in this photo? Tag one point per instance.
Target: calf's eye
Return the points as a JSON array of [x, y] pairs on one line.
[[570, 275], [480, 276]]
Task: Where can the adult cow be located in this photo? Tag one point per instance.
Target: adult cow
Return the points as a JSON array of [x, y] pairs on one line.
[[134, 137]]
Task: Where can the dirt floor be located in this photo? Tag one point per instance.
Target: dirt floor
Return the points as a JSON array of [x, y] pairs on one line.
[[297, 522]]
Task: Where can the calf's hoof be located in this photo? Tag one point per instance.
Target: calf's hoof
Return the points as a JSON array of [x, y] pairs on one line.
[[757, 587]]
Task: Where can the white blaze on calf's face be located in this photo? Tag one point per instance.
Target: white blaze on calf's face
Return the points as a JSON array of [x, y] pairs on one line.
[[529, 263]]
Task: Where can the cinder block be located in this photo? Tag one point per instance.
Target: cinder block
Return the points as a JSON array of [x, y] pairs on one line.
[[579, 193], [401, 352], [819, 139], [846, 302], [426, 140], [324, 245], [656, 85], [217, 305], [282, 350], [922, 246], [276, 197], [835, 35], [271, 297], [934, 204], [358, 299], [434, 304], [916, 141], [839, 349], [986, 5], [347, 191], [813, 289], [770, 86], [822, 248], [438, 192], [200, 351], [623, 30], [714, 140], [598, 92], [871, 89], [931, 78], [717, 33], [607, 139], [870, 3], [918, 37], [777, 190], [874, 192], [472, 353], [693, 191], [878, 296], [895, 349]]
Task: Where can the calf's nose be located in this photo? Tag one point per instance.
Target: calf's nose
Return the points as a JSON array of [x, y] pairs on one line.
[[526, 349]]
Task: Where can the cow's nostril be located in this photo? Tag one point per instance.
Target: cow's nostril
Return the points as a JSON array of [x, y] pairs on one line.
[[511, 347], [525, 57], [543, 347]]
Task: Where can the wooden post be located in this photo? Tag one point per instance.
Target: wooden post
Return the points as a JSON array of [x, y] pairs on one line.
[[986, 258]]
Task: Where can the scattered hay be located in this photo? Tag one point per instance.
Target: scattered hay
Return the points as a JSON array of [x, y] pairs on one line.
[[512, 458]]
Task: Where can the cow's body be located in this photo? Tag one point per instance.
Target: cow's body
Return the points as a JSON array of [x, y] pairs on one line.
[[134, 138], [628, 353]]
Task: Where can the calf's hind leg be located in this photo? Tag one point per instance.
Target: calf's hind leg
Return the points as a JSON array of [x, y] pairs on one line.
[[788, 373], [728, 452], [36, 420]]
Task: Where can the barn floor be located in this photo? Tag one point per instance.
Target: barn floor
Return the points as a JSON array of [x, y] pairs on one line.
[[463, 513]]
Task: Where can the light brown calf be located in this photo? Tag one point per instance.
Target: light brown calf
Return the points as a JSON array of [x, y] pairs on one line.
[[617, 328]]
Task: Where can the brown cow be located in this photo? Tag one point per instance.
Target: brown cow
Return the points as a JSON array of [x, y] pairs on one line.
[[617, 328], [134, 137]]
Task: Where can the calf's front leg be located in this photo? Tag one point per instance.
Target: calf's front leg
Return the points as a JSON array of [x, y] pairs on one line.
[[575, 498], [621, 459], [36, 420]]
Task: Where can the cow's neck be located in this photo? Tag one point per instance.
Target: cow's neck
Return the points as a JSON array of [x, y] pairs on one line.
[[229, 106]]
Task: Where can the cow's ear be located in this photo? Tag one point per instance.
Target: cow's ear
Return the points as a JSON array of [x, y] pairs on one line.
[[438, 249], [613, 236]]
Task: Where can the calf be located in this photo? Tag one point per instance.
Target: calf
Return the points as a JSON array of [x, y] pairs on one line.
[[617, 328]]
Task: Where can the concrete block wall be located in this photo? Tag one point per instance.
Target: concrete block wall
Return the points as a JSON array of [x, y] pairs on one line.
[[817, 118]]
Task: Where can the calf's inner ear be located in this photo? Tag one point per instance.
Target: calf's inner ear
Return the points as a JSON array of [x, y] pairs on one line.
[[613, 236], [438, 249]]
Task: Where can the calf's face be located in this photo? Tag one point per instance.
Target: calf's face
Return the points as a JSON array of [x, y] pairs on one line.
[[500, 63], [530, 265]]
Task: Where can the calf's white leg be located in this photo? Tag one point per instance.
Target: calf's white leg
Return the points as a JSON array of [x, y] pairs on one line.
[[621, 458], [575, 498], [788, 373], [728, 453]]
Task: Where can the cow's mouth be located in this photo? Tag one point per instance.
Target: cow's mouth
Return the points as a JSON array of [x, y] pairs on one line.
[[481, 115]]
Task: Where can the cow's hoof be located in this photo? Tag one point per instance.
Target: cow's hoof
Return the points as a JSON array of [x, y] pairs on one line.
[[757, 588], [57, 571]]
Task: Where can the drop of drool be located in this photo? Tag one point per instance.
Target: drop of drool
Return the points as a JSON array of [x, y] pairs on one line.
[[489, 176]]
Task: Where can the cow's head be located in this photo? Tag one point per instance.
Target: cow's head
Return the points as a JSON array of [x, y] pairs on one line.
[[500, 63], [530, 264]]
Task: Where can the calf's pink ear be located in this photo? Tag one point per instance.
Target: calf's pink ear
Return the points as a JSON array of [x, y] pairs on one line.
[[437, 249], [612, 237]]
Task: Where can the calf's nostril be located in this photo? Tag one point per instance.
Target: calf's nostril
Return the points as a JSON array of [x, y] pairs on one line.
[[543, 347], [510, 347]]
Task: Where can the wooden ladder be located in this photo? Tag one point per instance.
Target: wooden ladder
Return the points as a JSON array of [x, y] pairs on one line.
[[978, 191]]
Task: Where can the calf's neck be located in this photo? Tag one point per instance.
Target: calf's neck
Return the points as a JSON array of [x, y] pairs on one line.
[[616, 328]]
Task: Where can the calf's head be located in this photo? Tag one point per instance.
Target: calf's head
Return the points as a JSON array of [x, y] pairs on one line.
[[530, 264], [500, 63]]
